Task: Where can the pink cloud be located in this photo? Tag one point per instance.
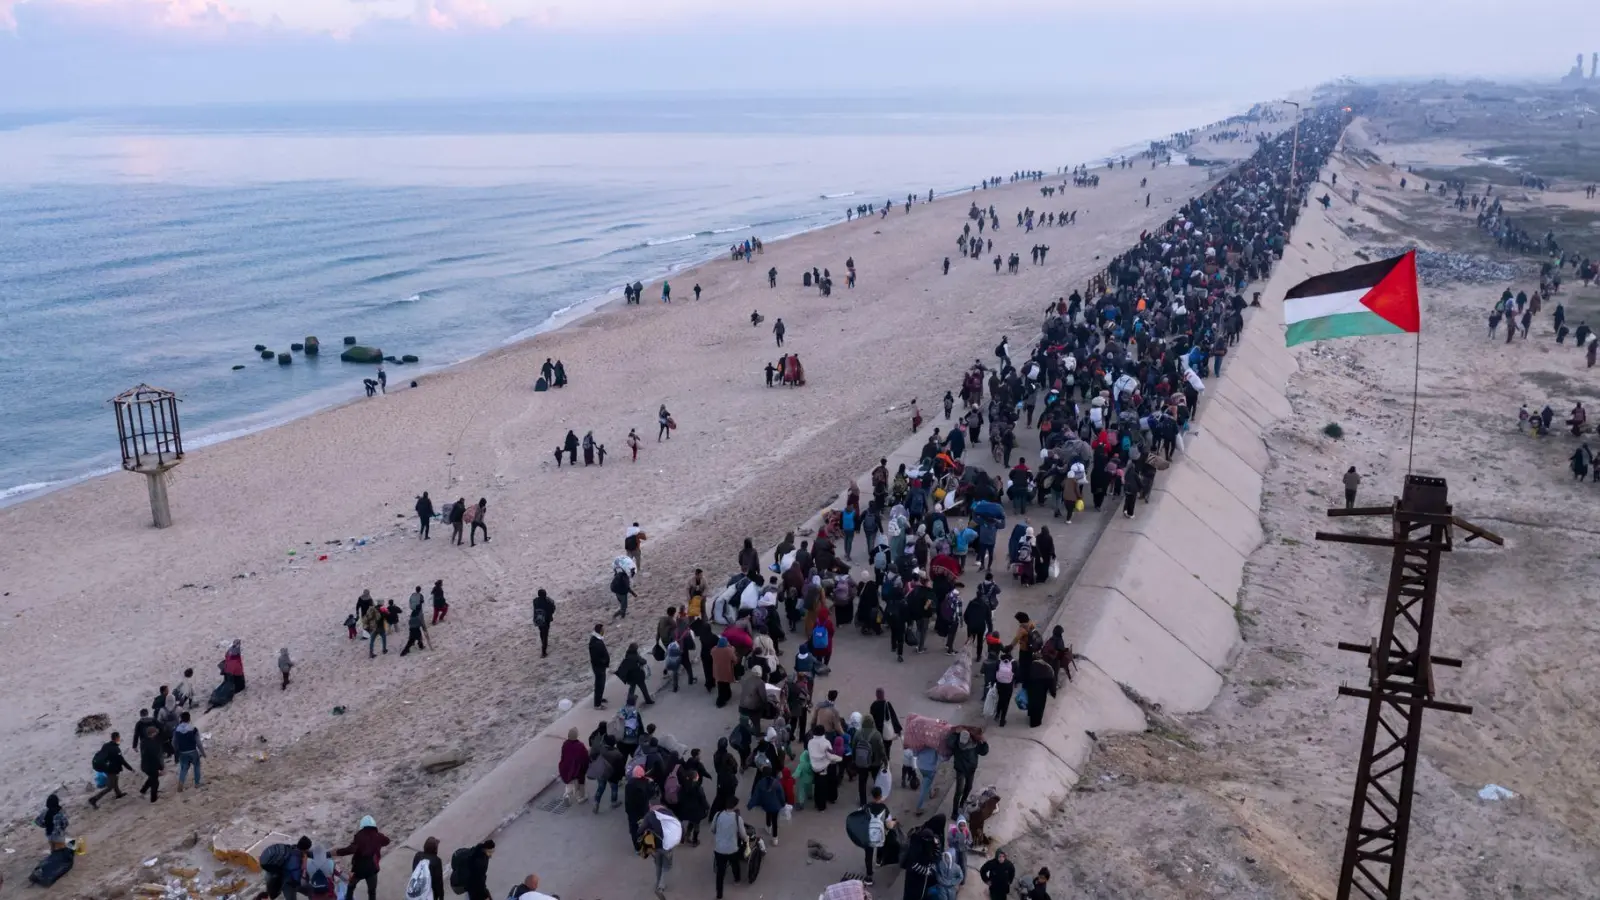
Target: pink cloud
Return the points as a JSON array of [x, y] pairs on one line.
[[450, 15], [191, 15]]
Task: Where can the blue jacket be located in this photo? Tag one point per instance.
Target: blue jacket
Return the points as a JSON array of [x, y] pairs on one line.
[[767, 794]]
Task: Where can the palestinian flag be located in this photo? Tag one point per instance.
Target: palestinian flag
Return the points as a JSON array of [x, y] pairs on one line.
[[1377, 298]]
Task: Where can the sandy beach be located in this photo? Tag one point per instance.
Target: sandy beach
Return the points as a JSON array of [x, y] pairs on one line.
[[102, 608], [1250, 798]]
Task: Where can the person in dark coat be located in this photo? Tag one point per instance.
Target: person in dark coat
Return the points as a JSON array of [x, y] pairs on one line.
[[631, 672], [692, 806], [430, 854], [726, 765], [921, 858], [1041, 684], [110, 762], [458, 518], [424, 515], [152, 761], [637, 794], [599, 661], [998, 874], [570, 444], [544, 612], [1044, 553]]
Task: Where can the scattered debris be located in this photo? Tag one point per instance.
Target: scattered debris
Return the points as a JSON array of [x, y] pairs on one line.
[[1436, 268], [434, 763], [1495, 792], [94, 723]]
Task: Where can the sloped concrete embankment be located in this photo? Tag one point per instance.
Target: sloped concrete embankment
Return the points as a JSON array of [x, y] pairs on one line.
[[1153, 609]]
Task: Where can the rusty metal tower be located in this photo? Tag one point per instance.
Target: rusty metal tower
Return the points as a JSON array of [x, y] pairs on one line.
[[1400, 685], [151, 441]]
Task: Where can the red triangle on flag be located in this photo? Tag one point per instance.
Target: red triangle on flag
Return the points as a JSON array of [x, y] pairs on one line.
[[1395, 297]]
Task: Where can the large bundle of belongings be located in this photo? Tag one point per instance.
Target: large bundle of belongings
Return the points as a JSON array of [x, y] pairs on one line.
[[740, 593]]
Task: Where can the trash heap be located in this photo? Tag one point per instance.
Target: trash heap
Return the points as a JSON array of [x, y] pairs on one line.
[[1436, 268]]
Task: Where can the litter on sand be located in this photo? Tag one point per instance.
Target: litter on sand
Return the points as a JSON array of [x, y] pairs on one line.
[[1495, 792]]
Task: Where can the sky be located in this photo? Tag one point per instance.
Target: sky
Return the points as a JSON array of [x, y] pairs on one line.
[[57, 54]]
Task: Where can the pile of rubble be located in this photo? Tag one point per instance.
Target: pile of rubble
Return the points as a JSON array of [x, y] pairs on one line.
[[1436, 268], [186, 883]]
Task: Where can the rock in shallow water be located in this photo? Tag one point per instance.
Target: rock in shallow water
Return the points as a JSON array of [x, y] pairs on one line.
[[358, 354]]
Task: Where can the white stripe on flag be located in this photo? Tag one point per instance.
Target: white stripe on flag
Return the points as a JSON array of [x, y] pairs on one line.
[[1302, 308]]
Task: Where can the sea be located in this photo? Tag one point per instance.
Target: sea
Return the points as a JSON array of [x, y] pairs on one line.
[[161, 245]]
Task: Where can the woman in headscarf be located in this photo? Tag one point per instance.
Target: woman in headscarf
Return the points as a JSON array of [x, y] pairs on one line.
[[574, 763], [924, 846], [1057, 653], [726, 766], [876, 756], [888, 721], [364, 850], [1041, 685], [232, 666], [54, 822], [1044, 553], [750, 561]]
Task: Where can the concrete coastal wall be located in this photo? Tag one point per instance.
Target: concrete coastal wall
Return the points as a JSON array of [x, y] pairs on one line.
[[1154, 607]]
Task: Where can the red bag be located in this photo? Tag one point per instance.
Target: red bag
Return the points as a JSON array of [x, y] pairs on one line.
[[926, 733]]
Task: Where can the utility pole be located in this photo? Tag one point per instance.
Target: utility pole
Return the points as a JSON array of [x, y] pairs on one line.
[[1294, 149], [1400, 683]]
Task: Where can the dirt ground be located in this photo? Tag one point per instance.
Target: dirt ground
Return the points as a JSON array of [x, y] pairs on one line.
[[1250, 799]]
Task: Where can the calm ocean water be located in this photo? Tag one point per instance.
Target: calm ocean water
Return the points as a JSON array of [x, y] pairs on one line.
[[160, 246]]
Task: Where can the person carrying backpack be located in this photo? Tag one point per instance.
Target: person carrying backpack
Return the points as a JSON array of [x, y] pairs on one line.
[[879, 823], [869, 755], [364, 850], [284, 865], [767, 795], [622, 588], [110, 762], [1005, 678], [469, 871], [979, 619]]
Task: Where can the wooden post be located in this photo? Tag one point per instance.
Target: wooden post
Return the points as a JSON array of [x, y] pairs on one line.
[[160, 511]]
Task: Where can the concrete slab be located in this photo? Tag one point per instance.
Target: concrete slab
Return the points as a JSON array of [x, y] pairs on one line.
[[1249, 377], [1212, 454], [1134, 649], [1189, 540], [1149, 577], [1225, 513], [1256, 417], [1225, 426]]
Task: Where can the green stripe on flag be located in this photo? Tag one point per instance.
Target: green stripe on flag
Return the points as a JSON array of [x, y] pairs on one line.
[[1343, 325]]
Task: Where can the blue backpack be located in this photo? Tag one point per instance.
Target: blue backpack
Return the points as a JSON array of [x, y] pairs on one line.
[[819, 637]]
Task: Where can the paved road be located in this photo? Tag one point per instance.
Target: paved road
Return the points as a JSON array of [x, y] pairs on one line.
[[585, 856]]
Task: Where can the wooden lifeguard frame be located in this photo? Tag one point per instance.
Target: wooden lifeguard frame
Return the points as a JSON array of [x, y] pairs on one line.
[[151, 442]]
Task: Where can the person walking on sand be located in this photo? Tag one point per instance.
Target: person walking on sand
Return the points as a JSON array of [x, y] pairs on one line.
[[110, 762], [1352, 483], [188, 748], [152, 761], [633, 443], [478, 517], [916, 416], [544, 612], [285, 663], [364, 851], [633, 545], [665, 424], [622, 589], [777, 331], [599, 662], [441, 606], [377, 629], [570, 445], [458, 517], [416, 631], [424, 515], [666, 292], [697, 291]]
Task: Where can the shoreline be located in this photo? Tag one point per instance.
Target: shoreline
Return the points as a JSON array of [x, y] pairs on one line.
[[309, 405]]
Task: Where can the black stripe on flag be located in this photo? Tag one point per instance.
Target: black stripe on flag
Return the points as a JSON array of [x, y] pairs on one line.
[[1358, 278]]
